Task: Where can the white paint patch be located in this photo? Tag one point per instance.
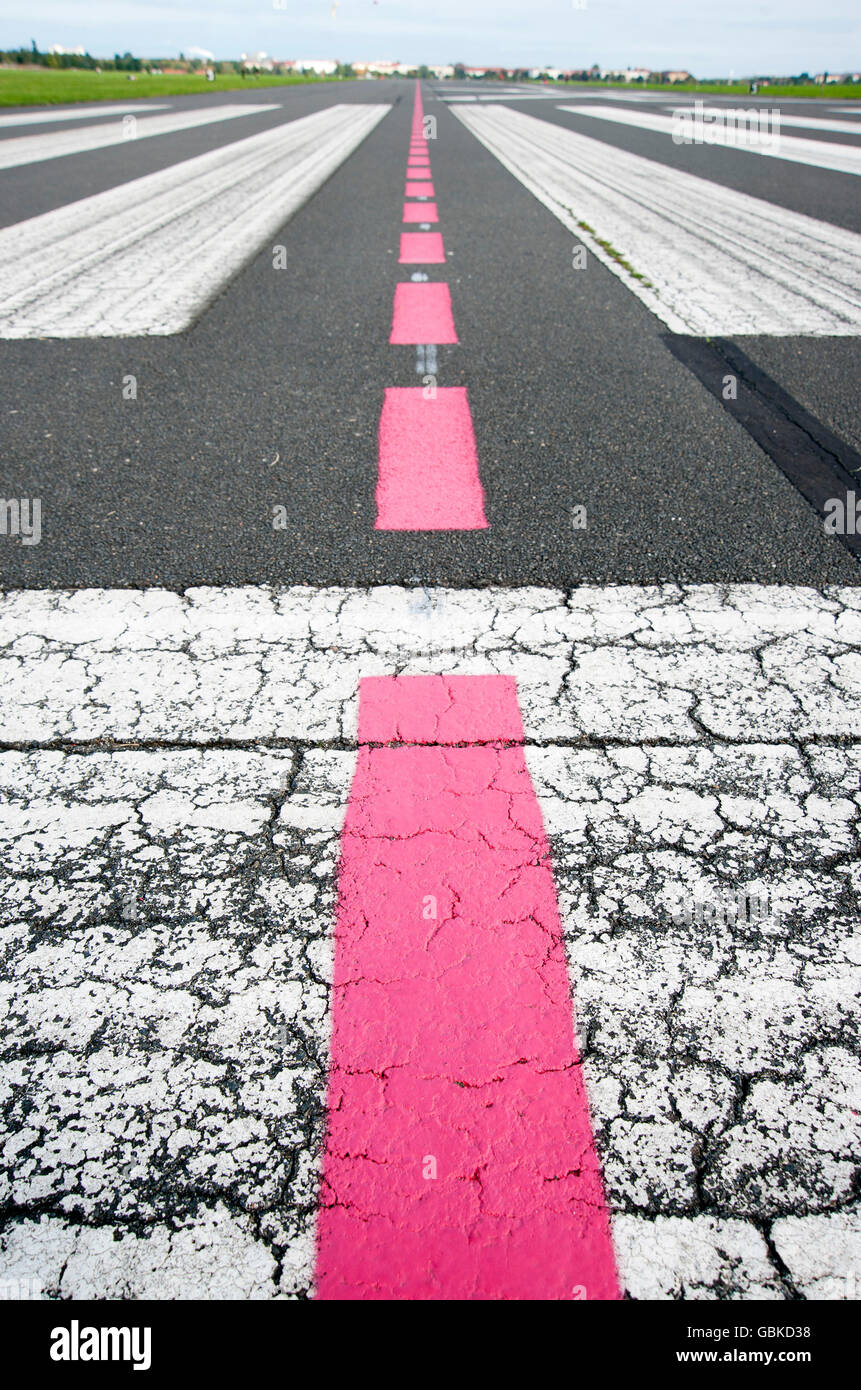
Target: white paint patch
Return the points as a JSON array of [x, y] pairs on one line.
[[32, 149], [705, 259], [635, 663], [696, 1257], [86, 112], [147, 257], [844, 159], [215, 1256], [165, 949]]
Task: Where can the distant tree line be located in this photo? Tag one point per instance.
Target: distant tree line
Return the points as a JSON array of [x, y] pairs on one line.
[[33, 57]]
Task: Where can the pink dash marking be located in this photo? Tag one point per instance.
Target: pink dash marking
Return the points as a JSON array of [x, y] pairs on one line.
[[421, 248], [419, 190], [419, 171], [420, 212], [427, 476], [460, 1162], [422, 314]]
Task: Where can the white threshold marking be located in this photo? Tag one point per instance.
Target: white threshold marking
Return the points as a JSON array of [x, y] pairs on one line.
[[172, 906], [712, 260], [32, 149], [823, 154], [85, 112], [148, 256]]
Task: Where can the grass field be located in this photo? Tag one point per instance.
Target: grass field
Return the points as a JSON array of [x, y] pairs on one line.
[[46, 87], [841, 91]]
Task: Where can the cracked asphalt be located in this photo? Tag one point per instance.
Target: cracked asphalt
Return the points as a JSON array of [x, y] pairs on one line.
[[171, 852]]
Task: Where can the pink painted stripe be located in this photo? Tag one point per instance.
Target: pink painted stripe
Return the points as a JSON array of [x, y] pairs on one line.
[[421, 248], [416, 170], [418, 190], [460, 1162], [420, 212], [422, 314], [428, 465]]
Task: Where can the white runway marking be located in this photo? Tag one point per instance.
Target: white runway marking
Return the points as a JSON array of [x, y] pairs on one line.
[[85, 112], [710, 260], [823, 154], [148, 256], [166, 960], [32, 149]]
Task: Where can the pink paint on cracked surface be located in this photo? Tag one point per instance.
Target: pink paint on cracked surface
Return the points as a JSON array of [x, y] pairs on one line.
[[427, 465], [452, 1036]]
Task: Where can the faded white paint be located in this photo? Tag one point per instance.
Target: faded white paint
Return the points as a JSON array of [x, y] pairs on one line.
[[148, 256], [704, 258], [32, 149]]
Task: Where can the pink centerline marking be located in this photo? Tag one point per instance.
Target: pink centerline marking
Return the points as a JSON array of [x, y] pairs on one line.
[[422, 314], [427, 478], [459, 1161], [421, 248], [420, 212], [418, 190]]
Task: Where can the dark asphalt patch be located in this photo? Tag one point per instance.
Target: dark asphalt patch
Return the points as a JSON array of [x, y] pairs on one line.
[[821, 465]]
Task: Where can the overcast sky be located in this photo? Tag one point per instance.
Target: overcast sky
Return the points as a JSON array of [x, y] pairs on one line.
[[710, 37]]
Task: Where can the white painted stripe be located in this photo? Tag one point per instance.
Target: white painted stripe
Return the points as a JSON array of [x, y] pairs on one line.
[[753, 113], [714, 261], [32, 149], [170, 911], [823, 154], [148, 256], [663, 662], [85, 112]]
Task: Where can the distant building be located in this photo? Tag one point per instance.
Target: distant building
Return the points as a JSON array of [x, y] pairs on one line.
[[379, 68], [72, 52], [324, 67], [256, 62]]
